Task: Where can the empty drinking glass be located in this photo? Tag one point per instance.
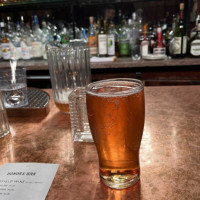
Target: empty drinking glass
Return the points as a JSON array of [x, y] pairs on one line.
[[69, 68]]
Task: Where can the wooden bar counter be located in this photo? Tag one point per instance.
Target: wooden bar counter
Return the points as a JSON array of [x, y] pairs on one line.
[[169, 154]]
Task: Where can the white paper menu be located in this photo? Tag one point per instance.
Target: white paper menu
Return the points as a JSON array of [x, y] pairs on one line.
[[26, 181]]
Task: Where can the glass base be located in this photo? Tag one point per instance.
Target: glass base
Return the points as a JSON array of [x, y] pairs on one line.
[[120, 181], [4, 133], [83, 137]]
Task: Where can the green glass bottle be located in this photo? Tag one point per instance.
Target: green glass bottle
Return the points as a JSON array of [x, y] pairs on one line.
[[102, 40], [180, 37]]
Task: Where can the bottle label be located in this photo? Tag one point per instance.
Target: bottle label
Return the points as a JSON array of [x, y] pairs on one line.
[[184, 48], [177, 45], [144, 49], [195, 48], [5, 48], [25, 51], [159, 51], [15, 51], [102, 44], [36, 49], [44, 52], [180, 42], [92, 43], [65, 39], [111, 45], [124, 48]]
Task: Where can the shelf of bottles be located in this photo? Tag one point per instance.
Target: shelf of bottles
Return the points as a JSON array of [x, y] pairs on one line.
[[78, 2], [25, 2], [132, 38]]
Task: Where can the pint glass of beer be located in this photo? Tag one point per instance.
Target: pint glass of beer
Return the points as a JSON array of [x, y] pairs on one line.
[[116, 115]]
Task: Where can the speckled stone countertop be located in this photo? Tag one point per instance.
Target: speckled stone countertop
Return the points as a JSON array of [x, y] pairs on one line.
[[169, 155]]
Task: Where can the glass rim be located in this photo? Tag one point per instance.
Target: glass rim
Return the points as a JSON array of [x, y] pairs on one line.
[[139, 86]]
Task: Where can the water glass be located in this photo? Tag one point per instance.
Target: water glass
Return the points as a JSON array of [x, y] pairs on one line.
[[14, 93], [4, 125], [69, 68], [78, 116]]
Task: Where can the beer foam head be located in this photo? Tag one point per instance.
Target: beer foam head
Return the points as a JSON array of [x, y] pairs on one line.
[[114, 87]]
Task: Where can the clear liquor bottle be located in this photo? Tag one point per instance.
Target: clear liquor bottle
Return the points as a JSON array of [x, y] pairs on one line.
[[112, 37], [25, 43], [194, 30], [134, 41], [36, 44], [15, 46], [10, 27], [45, 39], [5, 43]]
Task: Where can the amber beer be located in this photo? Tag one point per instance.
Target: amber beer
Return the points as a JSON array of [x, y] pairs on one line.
[[116, 116], [63, 107], [62, 101]]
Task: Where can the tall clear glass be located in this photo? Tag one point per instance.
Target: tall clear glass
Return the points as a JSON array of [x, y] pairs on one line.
[[116, 112], [69, 68]]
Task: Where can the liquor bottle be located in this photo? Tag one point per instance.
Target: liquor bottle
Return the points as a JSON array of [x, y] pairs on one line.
[[118, 30], [144, 45], [15, 48], [92, 38], [139, 14], [159, 46], [166, 27], [64, 34], [102, 40], [36, 43], [175, 22], [195, 43], [5, 43], [10, 27], [22, 24], [180, 38], [45, 38], [193, 31], [134, 39], [25, 43], [123, 37], [55, 34], [111, 39], [152, 38]]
